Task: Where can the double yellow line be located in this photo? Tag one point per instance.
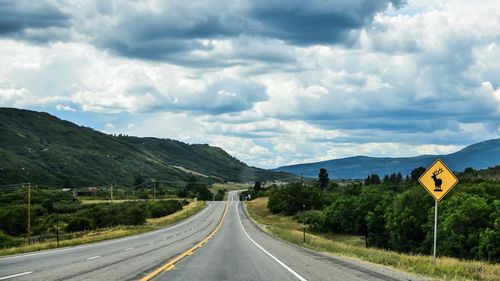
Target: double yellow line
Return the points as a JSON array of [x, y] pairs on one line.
[[171, 264]]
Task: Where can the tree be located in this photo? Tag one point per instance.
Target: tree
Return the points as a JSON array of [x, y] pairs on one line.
[[291, 198], [198, 189], [257, 188], [78, 224], [67, 183], [323, 178], [399, 177], [372, 179], [386, 179], [393, 178], [47, 204], [416, 173], [469, 170], [464, 218], [368, 180], [219, 196], [138, 180], [7, 241], [405, 220], [340, 216]]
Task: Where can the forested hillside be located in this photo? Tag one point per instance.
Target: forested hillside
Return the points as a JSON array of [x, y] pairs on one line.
[[40, 148]]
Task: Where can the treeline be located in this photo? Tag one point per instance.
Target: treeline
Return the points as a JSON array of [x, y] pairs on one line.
[[147, 188], [396, 213], [52, 208]]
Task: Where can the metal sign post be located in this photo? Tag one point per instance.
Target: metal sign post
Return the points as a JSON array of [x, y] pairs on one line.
[[435, 231], [438, 188]]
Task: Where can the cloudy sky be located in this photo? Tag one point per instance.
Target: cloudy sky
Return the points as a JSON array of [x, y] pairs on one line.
[[272, 82]]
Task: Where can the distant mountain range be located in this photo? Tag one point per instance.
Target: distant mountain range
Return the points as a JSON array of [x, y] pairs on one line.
[[43, 149], [480, 155]]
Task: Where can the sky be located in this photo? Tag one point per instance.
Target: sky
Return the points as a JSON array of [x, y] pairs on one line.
[[272, 82]]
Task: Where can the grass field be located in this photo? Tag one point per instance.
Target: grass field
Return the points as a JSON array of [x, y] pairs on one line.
[[447, 268], [111, 233], [228, 186], [87, 201]]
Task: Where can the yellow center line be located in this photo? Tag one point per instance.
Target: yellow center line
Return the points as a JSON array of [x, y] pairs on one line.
[[171, 264]]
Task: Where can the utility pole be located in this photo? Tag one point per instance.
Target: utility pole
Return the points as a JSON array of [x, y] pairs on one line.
[[303, 209], [111, 193], [57, 229], [29, 213], [154, 189]]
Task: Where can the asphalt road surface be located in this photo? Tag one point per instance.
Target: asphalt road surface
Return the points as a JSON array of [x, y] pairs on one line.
[[120, 259], [238, 251], [242, 251]]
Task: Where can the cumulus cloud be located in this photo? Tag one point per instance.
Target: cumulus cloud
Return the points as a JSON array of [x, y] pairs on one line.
[[272, 82], [25, 19], [86, 78], [318, 22], [176, 30]]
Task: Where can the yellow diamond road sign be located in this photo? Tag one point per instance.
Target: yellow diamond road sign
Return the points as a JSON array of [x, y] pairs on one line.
[[438, 180]]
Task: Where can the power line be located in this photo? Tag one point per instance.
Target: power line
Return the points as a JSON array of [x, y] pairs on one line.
[[12, 193]]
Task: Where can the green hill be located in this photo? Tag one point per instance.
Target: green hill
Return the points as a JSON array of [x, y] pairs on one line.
[[43, 149]]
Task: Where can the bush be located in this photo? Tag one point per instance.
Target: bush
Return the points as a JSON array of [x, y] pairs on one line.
[[163, 208], [7, 241], [294, 198], [78, 224], [13, 219], [315, 220], [219, 196], [107, 215]]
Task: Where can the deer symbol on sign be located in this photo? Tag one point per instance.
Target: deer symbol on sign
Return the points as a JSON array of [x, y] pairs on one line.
[[437, 182]]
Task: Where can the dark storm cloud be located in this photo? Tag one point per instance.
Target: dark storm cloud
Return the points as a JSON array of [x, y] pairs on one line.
[[171, 31], [18, 16], [315, 22], [176, 28]]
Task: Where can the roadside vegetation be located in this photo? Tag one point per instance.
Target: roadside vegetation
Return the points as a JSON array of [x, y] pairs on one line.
[[58, 213], [84, 237], [390, 221], [286, 228]]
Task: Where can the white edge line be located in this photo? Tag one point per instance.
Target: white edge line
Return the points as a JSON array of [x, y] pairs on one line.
[[16, 275], [128, 249], [107, 242], [92, 258], [264, 250]]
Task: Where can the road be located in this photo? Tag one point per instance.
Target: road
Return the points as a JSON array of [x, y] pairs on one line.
[[242, 251], [120, 259], [239, 250]]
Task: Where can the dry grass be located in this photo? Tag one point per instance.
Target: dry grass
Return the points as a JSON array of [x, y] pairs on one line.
[[87, 201], [229, 186], [446, 269], [112, 233]]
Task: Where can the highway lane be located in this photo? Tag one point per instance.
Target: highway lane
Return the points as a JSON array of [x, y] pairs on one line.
[[242, 251], [228, 256], [127, 258]]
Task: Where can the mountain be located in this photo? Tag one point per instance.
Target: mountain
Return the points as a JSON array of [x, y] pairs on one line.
[[480, 155], [43, 149]]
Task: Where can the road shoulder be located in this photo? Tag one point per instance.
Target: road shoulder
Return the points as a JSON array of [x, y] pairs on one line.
[[354, 264]]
